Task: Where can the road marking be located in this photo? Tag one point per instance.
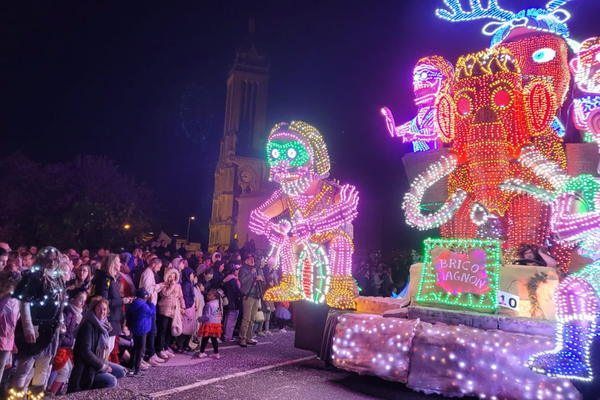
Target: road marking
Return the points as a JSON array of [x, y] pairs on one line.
[[227, 377], [183, 360], [235, 346]]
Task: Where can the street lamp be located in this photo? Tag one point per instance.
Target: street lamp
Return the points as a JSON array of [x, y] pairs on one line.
[[187, 238], [126, 226]]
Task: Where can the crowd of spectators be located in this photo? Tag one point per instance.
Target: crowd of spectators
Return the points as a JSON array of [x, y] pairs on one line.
[[74, 321]]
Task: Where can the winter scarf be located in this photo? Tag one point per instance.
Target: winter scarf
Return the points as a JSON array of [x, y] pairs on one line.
[[78, 312], [103, 343]]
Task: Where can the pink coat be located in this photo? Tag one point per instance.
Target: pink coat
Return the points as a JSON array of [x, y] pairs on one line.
[[9, 315]]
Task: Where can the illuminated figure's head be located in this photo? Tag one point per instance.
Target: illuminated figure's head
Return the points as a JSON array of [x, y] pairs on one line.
[[542, 57], [489, 102], [297, 155], [586, 66], [431, 76]]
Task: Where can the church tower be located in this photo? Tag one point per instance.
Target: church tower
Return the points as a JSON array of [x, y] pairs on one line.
[[241, 176]]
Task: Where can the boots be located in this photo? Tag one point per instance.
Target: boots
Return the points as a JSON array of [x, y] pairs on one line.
[[571, 357], [342, 291], [287, 290]]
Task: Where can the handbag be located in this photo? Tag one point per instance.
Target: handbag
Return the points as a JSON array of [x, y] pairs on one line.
[[189, 321], [177, 323], [259, 316]]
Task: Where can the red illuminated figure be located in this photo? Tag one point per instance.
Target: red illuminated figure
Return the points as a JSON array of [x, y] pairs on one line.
[[492, 119]]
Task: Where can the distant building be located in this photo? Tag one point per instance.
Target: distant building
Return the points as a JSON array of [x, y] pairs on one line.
[[242, 175]]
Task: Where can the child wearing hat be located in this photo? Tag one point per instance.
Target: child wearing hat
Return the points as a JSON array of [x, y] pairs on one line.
[[139, 320]]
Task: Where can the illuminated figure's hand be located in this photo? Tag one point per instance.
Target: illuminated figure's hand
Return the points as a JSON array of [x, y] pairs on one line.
[[389, 121]]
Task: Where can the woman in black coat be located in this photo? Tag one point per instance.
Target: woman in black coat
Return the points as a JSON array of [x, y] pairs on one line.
[[91, 369], [106, 285], [231, 286]]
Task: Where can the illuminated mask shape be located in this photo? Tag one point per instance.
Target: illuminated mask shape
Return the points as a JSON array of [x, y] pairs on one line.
[[297, 156], [293, 152]]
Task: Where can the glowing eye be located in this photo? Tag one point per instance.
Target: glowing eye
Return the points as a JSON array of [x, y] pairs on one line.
[[292, 153], [275, 153], [464, 106], [423, 75], [501, 98], [543, 55]]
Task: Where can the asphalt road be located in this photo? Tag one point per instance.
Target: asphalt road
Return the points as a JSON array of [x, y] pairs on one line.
[[273, 369]]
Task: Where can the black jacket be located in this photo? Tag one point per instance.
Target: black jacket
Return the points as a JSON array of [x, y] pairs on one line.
[[86, 363], [217, 281], [106, 286], [232, 291]]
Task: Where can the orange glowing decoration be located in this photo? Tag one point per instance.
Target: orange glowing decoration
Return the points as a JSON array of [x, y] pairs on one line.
[[490, 118]]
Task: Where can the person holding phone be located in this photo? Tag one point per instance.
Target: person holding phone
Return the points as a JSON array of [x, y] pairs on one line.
[[252, 283]]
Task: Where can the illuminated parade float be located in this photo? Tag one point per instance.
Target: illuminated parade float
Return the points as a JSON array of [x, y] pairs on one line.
[[489, 132]]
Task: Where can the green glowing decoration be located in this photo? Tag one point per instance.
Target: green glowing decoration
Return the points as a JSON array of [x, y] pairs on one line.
[[293, 151], [585, 185], [430, 291]]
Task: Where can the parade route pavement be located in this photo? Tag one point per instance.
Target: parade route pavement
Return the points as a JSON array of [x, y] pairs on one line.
[[273, 369]]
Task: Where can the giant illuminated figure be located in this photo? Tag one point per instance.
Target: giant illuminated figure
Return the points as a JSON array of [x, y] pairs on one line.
[[538, 41], [432, 77], [576, 221], [491, 119], [307, 220]]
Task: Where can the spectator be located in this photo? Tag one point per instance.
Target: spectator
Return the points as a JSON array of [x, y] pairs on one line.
[[63, 360], [252, 281], [106, 285], [5, 246], [99, 255], [126, 285], [170, 303], [3, 258], [211, 324], [9, 315], [189, 317], [362, 279], [199, 305], [14, 262], [206, 263], [139, 317], [27, 260], [282, 315], [33, 250], [161, 249], [41, 295], [92, 347], [216, 257], [182, 250], [204, 281], [83, 277], [267, 308], [538, 256], [217, 280], [231, 287], [148, 282]]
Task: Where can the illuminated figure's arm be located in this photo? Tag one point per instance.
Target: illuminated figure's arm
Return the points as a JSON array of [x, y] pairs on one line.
[[569, 226], [411, 130], [260, 218], [338, 215]]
